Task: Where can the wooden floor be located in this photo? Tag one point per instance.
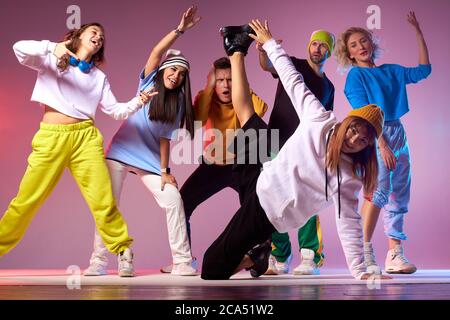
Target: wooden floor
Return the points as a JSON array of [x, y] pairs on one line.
[[425, 291], [152, 285], [163, 296]]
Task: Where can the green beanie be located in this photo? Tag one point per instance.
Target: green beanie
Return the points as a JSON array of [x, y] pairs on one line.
[[324, 36]]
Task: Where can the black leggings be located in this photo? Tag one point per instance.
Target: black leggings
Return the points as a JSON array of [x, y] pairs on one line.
[[203, 183]]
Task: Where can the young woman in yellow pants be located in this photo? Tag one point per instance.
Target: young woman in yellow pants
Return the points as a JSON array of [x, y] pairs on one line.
[[70, 87]]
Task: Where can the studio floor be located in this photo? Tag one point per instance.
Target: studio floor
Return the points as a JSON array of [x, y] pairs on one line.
[[152, 285]]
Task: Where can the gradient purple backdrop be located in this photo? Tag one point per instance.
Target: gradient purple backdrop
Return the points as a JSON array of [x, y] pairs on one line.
[[62, 232]]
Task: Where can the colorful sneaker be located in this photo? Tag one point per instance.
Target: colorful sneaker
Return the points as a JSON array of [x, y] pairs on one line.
[[125, 260], [283, 267], [276, 267], [369, 259], [97, 265], [396, 261], [168, 268], [307, 265], [183, 269], [272, 269]]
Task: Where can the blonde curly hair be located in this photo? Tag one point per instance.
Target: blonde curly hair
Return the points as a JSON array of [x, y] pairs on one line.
[[342, 54]]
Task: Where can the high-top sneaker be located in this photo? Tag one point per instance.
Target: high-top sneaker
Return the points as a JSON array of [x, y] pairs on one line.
[[276, 267], [97, 266], [307, 265], [125, 260], [396, 261], [183, 269], [168, 268]]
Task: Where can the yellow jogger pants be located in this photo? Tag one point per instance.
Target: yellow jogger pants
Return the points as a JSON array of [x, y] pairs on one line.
[[78, 147]]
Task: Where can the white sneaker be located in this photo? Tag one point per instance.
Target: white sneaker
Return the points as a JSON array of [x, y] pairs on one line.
[[369, 259], [396, 261], [95, 269], [183, 269], [97, 265], [168, 268], [277, 267], [125, 259], [307, 265]]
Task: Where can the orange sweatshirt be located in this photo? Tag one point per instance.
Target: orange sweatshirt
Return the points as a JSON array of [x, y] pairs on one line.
[[221, 116]]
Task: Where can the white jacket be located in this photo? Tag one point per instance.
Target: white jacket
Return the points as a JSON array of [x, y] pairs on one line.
[[71, 92], [291, 187]]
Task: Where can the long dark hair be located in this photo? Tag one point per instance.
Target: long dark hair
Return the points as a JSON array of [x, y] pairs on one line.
[[365, 163], [74, 35], [164, 107]]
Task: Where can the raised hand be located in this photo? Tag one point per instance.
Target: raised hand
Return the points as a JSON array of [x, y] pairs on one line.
[[262, 32], [189, 19], [411, 17], [368, 276], [211, 79], [423, 50], [146, 95], [61, 50]]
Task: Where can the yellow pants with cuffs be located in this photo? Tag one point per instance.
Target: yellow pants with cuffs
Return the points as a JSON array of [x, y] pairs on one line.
[[78, 147]]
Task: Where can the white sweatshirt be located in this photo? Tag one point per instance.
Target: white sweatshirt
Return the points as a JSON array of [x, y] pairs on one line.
[[291, 187], [70, 92]]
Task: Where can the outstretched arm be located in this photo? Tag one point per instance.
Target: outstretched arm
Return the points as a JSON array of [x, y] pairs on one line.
[[122, 110], [350, 231], [34, 54], [423, 50], [188, 20], [264, 61]]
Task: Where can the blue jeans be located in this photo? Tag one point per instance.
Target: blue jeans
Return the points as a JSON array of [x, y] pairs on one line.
[[393, 189]]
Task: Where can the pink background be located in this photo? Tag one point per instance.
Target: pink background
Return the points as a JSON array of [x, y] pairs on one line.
[[62, 233]]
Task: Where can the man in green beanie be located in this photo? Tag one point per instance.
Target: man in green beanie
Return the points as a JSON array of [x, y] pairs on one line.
[[285, 119]]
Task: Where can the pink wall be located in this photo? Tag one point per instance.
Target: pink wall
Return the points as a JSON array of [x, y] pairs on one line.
[[62, 233]]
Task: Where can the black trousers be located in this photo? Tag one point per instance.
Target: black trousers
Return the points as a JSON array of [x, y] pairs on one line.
[[203, 183], [249, 225]]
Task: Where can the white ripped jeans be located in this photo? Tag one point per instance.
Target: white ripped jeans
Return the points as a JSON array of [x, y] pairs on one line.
[[169, 200]]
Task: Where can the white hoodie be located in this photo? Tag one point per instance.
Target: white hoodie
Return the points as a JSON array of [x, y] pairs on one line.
[[291, 187]]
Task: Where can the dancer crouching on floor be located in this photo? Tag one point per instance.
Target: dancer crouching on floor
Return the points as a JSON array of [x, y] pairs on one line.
[[322, 161]]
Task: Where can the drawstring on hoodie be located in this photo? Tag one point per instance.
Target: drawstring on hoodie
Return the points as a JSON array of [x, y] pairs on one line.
[[339, 190], [326, 169], [338, 175]]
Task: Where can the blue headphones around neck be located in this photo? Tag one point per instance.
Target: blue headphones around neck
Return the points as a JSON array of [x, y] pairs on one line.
[[82, 65]]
